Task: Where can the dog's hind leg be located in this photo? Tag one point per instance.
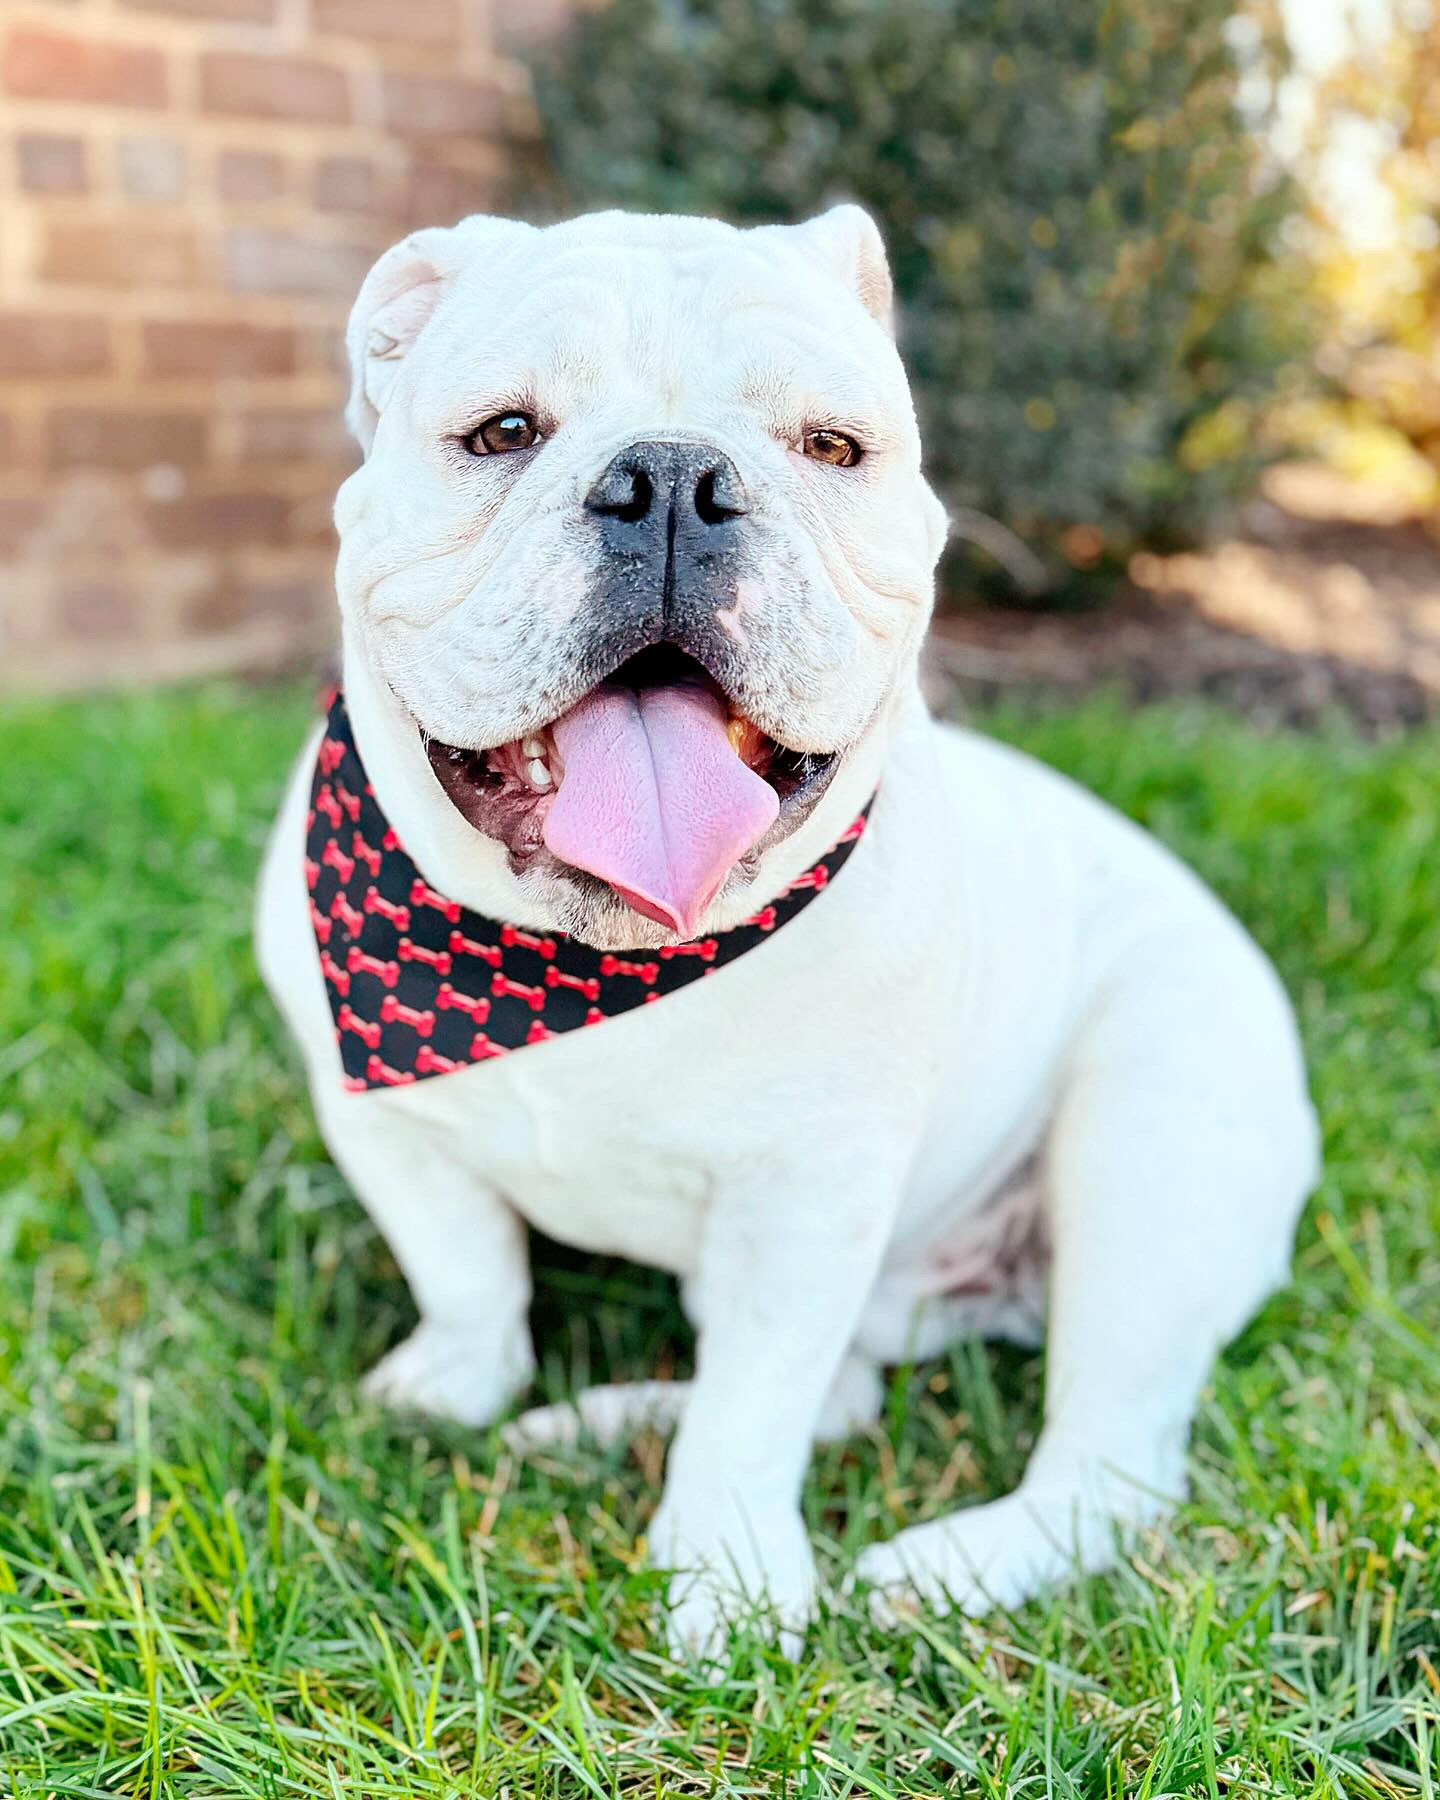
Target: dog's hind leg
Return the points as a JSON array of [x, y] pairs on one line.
[[609, 1414], [464, 1255], [1180, 1156], [604, 1415]]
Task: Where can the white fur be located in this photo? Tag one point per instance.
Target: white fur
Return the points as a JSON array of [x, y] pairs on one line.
[[1014, 1035]]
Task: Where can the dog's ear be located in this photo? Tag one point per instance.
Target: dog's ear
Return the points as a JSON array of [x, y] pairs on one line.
[[847, 241], [395, 303]]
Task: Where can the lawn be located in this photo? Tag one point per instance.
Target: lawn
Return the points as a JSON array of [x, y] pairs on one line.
[[222, 1573]]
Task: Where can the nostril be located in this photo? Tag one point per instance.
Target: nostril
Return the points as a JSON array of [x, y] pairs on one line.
[[651, 480], [715, 498], [625, 491], [642, 495]]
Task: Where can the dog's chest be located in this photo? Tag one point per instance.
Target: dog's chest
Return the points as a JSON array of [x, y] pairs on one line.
[[595, 1144]]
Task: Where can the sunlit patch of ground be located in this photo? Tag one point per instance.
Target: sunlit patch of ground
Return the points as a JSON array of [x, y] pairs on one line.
[[1328, 598]]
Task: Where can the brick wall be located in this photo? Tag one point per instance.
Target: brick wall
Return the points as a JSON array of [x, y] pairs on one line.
[[190, 192]]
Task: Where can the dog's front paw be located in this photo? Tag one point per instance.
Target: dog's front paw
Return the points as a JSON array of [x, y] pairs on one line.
[[469, 1374], [991, 1557], [973, 1561], [733, 1564]]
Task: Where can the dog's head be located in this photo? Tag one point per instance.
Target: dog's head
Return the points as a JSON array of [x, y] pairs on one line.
[[640, 544]]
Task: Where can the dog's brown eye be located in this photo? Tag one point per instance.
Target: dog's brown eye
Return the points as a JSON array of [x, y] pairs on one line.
[[832, 447], [506, 431]]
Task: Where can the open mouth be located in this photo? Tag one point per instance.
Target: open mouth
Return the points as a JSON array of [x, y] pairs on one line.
[[653, 782]]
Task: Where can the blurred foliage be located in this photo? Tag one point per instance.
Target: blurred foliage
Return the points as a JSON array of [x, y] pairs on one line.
[[1377, 276], [1080, 221]]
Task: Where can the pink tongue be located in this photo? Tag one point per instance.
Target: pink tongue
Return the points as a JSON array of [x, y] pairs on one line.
[[654, 799]]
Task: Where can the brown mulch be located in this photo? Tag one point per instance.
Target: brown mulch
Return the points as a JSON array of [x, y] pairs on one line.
[[1325, 601]]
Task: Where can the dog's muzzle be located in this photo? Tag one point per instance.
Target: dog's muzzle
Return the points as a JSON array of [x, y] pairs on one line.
[[671, 519], [649, 775]]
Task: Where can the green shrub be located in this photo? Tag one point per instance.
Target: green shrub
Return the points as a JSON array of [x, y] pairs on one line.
[[1083, 243]]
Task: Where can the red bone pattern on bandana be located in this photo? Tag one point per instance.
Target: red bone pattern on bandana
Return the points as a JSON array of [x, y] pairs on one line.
[[421, 986]]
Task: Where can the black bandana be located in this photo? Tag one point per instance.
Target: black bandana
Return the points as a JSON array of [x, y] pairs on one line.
[[420, 985]]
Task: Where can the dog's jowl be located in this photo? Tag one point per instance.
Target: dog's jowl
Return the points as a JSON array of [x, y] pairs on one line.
[[630, 892]]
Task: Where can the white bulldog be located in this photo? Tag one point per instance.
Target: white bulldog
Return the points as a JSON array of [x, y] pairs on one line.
[[641, 553]]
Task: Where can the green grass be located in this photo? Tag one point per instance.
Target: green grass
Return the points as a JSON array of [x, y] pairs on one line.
[[221, 1573]]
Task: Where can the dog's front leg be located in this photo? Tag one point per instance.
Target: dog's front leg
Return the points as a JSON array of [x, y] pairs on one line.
[[785, 1267], [465, 1257]]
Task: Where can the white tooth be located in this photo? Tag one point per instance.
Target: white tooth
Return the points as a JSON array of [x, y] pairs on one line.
[[532, 747], [539, 774]]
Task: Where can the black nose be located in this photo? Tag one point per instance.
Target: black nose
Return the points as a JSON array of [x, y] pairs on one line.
[[655, 486]]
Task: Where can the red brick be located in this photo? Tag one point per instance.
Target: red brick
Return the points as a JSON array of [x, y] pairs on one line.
[[216, 347], [328, 351], [273, 87], [35, 345], [312, 520], [247, 177], [255, 12], [405, 21], [439, 106], [55, 65], [214, 521], [232, 603], [282, 262], [120, 255], [521, 25], [217, 608], [125, 438], [20, 518], [223, 607], [437, 194], [50, 164], [346, 184], [295, 435], [97, 610]]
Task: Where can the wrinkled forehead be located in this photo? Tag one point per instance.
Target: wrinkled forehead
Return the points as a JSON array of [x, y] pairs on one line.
[[688, 316]]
